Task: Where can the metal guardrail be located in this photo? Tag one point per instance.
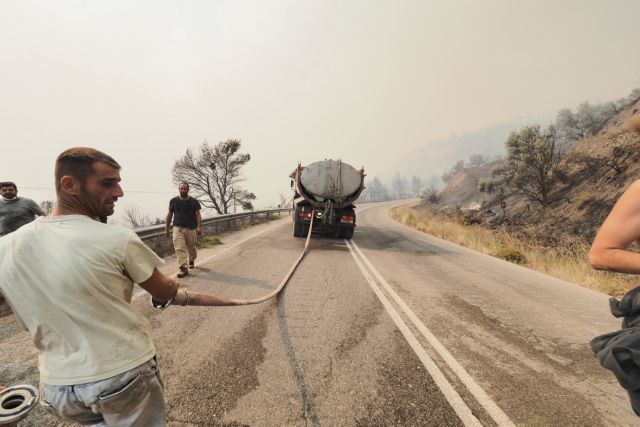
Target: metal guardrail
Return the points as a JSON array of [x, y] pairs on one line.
[[158, 230]]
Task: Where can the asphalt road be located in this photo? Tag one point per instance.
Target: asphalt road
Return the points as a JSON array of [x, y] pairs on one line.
[[392, 328]]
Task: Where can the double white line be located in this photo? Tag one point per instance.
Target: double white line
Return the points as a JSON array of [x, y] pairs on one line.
[[452, 396]]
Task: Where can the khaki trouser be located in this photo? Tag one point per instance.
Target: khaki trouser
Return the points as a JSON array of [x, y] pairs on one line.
[[184, 241]]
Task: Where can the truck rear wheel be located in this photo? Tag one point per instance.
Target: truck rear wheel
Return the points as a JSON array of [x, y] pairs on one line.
[[300, 230], [347, 233]]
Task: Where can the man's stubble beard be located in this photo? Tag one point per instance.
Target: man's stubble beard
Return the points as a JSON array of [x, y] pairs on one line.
[[94, 207]]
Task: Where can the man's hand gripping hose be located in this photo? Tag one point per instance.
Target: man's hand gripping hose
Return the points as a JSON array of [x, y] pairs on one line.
[[184, 297]]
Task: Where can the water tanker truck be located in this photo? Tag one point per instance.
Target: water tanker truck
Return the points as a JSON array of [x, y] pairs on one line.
[[328, 187]]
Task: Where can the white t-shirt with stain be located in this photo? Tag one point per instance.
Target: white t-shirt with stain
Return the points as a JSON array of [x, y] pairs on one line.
[[69, 279]]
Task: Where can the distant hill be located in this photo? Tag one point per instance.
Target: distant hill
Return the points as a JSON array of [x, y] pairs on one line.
[[598, 169], [435, 157]]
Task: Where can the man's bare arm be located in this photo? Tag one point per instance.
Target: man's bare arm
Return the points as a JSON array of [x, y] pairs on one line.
[[167, 223], [619, 230], [161, 287]]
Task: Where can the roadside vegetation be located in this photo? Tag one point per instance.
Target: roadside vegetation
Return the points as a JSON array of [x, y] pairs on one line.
[[566, 260], [208, 242], [540, 205]]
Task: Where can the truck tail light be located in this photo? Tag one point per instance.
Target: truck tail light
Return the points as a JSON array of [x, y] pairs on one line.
[[350, 219], [303, 214]]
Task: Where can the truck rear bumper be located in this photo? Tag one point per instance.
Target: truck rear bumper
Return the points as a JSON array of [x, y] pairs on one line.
[[318, 225]]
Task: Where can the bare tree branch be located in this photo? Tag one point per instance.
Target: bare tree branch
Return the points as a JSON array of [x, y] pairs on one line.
[[214, 175], [136, 219]]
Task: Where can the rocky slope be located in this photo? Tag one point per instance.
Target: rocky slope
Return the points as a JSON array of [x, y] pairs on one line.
[[598, 169]]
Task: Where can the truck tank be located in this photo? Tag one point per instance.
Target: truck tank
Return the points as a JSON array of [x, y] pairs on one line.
[[328, 187]]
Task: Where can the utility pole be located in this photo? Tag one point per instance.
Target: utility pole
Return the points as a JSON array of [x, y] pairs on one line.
[[233, 198]]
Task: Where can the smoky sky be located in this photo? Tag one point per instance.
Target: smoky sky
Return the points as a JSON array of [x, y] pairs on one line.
[[369, 82]]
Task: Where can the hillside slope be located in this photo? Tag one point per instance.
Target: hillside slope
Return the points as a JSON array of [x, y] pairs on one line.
[[462, 190], [598, 168]]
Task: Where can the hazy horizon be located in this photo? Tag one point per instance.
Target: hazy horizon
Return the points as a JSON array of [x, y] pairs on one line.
[[370, 82]]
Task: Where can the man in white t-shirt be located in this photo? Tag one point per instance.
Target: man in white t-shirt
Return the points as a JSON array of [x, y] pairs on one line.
[[69, 279]]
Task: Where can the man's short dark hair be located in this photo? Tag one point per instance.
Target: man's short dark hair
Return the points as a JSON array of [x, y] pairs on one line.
[[9, 184], [78, 163]]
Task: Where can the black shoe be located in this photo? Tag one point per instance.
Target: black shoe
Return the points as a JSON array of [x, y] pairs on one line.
[[183, 272], [192, 264]]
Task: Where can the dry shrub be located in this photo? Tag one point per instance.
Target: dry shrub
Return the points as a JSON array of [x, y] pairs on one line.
[[470, 218], [511, 255], [422, 227], [633, 124], [208, 242], [584, 200]]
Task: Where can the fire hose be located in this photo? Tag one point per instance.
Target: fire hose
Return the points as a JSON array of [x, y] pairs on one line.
[[182, 297]]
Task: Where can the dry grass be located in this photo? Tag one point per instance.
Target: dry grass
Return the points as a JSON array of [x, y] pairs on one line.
[[633, 124], [567, 261]]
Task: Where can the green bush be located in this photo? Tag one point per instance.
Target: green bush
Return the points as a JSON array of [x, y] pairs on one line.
[[208, 242], [511, 255]]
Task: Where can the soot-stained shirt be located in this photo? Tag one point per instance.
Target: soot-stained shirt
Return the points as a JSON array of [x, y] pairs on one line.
[[69, 279]]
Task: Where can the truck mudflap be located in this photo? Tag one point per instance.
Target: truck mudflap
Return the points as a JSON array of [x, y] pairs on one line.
[[338, 223], [340, 231]]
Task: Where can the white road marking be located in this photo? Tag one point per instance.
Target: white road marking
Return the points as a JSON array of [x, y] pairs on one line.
[[481, 396], [141, 292], [452, 396]]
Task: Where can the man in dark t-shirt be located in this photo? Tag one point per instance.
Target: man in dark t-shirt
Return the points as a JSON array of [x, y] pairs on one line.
[[187, 225]]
